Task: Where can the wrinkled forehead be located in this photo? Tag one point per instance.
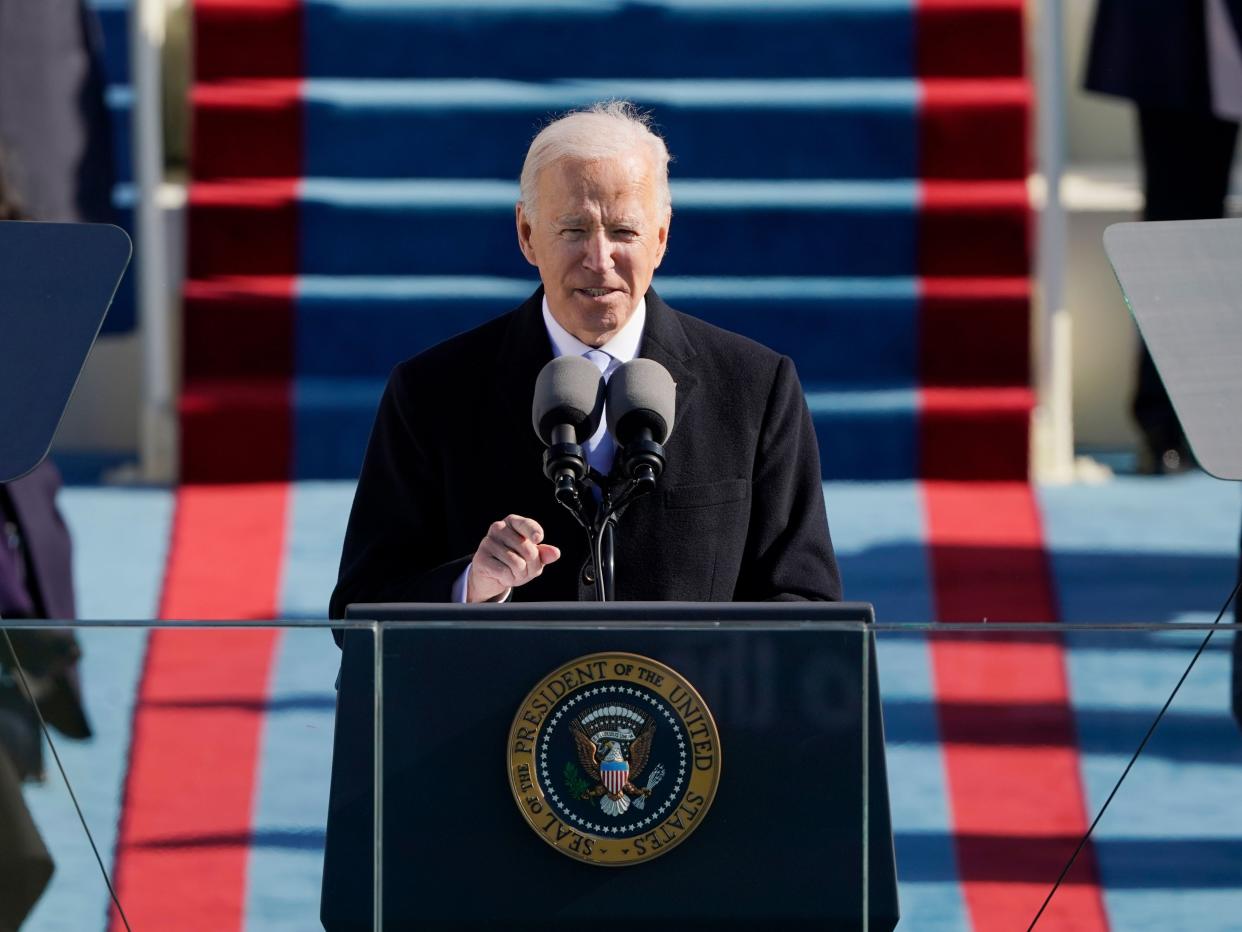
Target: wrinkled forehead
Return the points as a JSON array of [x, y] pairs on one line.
[[602, 186]]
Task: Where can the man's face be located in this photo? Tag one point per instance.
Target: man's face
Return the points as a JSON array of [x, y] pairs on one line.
[[599, 236]]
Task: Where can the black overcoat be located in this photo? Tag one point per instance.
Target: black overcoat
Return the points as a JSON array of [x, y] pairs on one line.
[[1154, 52], [49, 652], [738, 514]]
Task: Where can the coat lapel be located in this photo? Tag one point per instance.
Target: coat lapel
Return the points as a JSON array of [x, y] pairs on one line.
[[523, 352], [665, 342]]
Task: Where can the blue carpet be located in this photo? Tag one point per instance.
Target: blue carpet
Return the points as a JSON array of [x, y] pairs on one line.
[[485, 38], [781, 228], [840, 129], [113, 38]]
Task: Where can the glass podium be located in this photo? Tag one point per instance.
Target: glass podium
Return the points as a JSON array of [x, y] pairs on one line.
[[548, 764]]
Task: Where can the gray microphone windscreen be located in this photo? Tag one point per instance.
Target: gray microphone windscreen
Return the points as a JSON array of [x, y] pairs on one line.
[[569, 390], [641, 394]]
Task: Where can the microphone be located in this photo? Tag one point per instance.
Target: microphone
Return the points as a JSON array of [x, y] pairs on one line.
[[566, 411], [642, 399]]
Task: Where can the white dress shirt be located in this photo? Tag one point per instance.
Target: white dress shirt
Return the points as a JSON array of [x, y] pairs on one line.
[[622, 348]]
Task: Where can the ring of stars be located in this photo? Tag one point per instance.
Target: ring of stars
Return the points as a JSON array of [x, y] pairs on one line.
[[649, 818]]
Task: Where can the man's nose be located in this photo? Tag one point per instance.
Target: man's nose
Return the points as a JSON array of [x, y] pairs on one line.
[[598, 256]]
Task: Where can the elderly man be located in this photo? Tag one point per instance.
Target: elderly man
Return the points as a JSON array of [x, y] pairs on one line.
[[452, 503]]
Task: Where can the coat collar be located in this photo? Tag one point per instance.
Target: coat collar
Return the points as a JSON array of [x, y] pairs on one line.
[[526, 349]]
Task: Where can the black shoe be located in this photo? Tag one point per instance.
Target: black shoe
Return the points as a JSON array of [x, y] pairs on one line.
[[1154, 461]]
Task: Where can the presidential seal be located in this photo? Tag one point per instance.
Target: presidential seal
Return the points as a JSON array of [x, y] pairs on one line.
[[613, 759]]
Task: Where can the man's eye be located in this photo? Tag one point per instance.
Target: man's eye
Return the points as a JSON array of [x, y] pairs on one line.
[[625, 234], [572, 232]]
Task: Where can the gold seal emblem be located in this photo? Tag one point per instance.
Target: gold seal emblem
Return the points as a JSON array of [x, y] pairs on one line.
[[614, 759]]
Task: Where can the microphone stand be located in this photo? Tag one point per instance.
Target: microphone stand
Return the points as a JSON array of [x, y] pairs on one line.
[[615, 497], [607, 564], [564, 462]]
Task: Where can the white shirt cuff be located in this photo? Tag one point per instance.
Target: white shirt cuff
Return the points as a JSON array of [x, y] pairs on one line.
[[462, 586]]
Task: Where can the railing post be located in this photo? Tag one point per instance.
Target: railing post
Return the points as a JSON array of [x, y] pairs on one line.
[[1053, 439], [157, 430]]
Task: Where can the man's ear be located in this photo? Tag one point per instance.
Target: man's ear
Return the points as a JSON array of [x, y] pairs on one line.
[[662, 238], [523, 234]]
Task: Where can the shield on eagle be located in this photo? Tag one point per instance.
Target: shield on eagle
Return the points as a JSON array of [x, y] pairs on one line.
[[613, 742], [615, 774]]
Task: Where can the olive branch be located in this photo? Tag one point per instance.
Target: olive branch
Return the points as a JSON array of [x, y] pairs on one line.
[[574, 781]]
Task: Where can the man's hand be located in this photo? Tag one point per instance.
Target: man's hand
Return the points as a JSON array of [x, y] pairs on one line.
[[512, 554]]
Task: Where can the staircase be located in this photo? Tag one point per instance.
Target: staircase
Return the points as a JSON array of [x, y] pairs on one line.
[[848, 188]]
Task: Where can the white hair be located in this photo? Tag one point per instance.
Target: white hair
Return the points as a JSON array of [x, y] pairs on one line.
[[605, 130]]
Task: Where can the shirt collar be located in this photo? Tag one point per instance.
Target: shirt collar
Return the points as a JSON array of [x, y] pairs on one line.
[[623, 347]]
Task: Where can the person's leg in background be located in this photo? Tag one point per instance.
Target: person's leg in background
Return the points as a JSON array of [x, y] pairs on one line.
[[1186, 162], [25, 864]]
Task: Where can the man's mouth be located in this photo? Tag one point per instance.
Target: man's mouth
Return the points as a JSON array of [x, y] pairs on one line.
[[596, 292]]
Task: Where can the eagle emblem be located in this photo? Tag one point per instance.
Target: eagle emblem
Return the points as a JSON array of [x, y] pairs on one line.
[[613, 743], [613, 758]]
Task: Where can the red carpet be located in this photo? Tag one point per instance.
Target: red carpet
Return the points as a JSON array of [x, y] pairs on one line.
[[186, 820], [262, 38], [970, 38], [1009, 745]]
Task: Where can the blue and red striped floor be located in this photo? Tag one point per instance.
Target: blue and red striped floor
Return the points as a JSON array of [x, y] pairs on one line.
[[207, 783]]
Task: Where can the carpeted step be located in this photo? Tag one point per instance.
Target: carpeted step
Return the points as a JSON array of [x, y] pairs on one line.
[[975, 433], [545, 39], [113, 45], [839, 332], [238, 328], [851, 340], [112, 41], [974, 332], [933, 434], [113, 16], [775, 228], [315, 428], [892, 128], [235, 430], [353, 204], [120, 102]]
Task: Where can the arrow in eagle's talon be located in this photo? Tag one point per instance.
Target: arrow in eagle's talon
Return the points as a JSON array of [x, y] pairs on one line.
[[656, 776]]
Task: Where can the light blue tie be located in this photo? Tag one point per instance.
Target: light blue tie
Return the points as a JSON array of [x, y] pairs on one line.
[[600, 448]]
